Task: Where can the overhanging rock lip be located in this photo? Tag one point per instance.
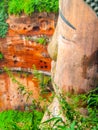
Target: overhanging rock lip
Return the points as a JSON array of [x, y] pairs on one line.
[[28, 70]]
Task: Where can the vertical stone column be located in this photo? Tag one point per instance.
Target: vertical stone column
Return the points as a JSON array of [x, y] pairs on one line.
[[74, 52], [76, 68]]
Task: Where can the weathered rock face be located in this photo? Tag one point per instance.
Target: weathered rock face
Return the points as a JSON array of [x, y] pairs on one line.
[[20, 49], [38, 23], [53, 45], [76, 68], [21, 52], [10, 95]]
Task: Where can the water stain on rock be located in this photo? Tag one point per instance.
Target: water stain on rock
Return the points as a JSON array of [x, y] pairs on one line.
[[90, 68]]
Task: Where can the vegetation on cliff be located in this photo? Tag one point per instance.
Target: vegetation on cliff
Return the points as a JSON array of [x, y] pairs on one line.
[[3, 17], [28, 7], [75, 120], [18, 7], [1, 56], [17, 120]]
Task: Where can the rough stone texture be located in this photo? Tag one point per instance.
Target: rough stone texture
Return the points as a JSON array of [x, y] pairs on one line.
[[20, 53], [77, 60], [76, 67], [54, 110], [10, 95], [38, 23], [20, 49], [53, 45]]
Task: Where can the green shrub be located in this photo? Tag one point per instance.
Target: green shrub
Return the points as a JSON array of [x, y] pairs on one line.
[[23, 6], [17, 120], [3, 17], [15, 6], [29, 6], [74, 119], [1, 56], [43, 81], [41, 41]]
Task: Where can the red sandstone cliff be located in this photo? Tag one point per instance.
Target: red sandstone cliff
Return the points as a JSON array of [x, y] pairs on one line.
[[21, 52]]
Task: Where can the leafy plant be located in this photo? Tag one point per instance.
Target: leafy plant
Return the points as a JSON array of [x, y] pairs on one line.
[[15, 6], [74, 119], [42, 80], [17, 120], [21, 87], [41, 40], [3, 17], [56, 123], [1, 56], [36, 119], [29, 6]]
